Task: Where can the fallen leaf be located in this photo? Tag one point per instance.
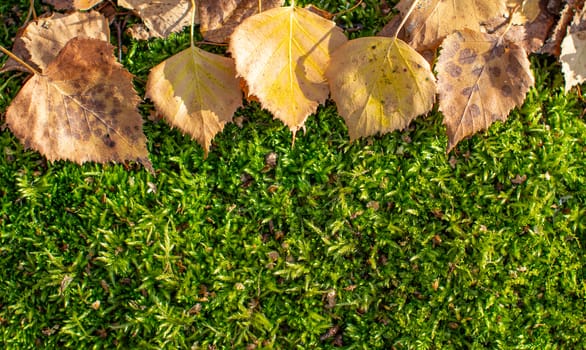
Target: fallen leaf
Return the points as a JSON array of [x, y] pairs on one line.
[[197, 92], [283, 53], [41, 40], [553, 44], [481, 77], [219, 18], [432, 20], [529, 34], [573, 52], [83, 108], [526, 10], [82, 5], [161, 17], [379, 85]]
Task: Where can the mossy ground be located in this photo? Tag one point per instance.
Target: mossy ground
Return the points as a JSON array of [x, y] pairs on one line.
[[386, 242]]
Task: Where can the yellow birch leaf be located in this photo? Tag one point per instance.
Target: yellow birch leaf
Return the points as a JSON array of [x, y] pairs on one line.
[[82, 108], [197, 92], [282, 54], [379, 85], [481, 77]]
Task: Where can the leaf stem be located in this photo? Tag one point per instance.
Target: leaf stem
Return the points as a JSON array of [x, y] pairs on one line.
[[411, 8], [192, 42], [20, 61]]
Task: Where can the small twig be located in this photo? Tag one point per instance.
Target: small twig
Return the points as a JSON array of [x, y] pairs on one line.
[[31, 11], [20, 61]]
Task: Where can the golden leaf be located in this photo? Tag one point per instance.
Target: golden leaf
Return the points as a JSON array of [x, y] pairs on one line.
[[197, 92], [282, 54], [379, 85], [83, 108], [481, 77]]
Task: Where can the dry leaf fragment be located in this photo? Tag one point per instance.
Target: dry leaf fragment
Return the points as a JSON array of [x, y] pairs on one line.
[[480, 79], [526, 10], [283, 53], [219, 18], [41, 40], [83, 108], [432, 20], [553, 44], [573, 52], [161, 17], [82, 5], [197, 92], [379, 85]]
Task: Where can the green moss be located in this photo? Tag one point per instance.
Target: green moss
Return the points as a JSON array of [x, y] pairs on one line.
[[380, 243]]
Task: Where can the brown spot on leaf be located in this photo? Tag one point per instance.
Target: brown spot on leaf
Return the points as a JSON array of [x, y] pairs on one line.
[[108, 141], [466, 92], [477, 71], [494, 72], [507, 91], [467, 56], [474, 110], [454, 70]]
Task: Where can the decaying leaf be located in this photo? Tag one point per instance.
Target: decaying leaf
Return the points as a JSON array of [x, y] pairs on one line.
[[73, 4], [481, 77], [41, 40], [83, 108], [531, 30], [197, 92], [573, 52], [379, 85], [219, 18], [283, 53], [161, 17], [553, 45], [432, 20]]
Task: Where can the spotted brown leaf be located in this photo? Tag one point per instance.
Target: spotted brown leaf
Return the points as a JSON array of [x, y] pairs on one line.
[[481, 77], [82, 108]]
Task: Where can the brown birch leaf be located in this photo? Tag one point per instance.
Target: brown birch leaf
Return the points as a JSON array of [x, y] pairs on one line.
[[83, 108], [197, 92], [161, 17], [481, 77], [432, 20], [40, 41], [282, 54], [219, 18], [82, 5], [380, 85]]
